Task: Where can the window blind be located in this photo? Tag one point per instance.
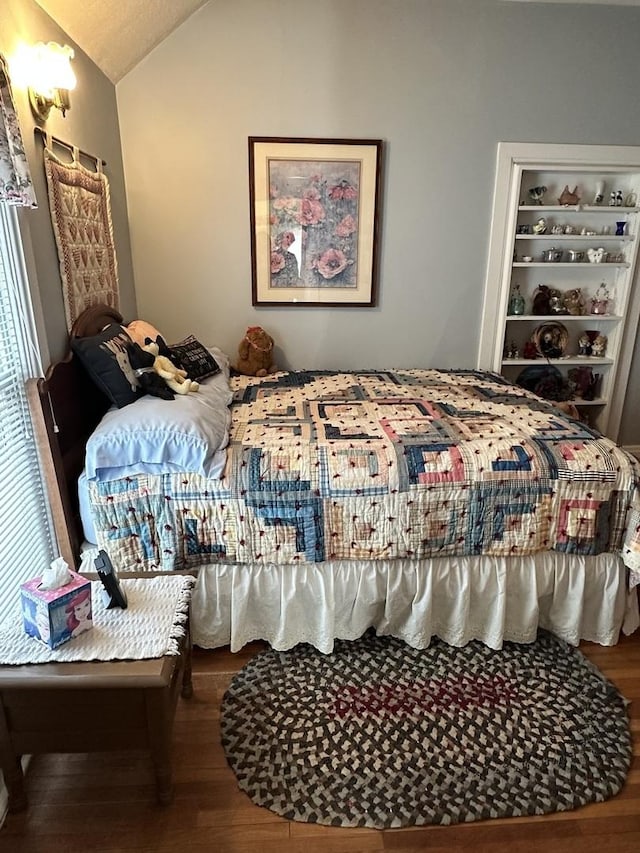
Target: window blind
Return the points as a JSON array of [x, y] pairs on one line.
[[26, 542]]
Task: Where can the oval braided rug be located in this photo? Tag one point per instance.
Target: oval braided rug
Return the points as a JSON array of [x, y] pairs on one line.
[[382, 735]]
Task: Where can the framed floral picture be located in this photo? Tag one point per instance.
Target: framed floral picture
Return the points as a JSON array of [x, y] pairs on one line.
[[314, 220]]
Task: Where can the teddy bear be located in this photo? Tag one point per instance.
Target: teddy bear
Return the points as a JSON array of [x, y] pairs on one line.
[[255, 353], [175, 377], [151, 382], [574, 301]]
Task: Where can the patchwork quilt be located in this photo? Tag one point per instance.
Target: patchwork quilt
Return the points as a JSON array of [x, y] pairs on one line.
[[389, 464]]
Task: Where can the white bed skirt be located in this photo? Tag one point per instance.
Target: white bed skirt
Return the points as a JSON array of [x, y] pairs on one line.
[[457, 599]]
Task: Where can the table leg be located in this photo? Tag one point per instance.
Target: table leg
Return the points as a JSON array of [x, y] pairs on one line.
[[11, 768], [187, 683], [159, 733]]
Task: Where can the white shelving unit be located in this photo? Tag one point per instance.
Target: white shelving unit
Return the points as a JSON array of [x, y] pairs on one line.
[[521, 167]]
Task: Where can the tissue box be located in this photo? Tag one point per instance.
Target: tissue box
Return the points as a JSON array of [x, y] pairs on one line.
[[56, 615]]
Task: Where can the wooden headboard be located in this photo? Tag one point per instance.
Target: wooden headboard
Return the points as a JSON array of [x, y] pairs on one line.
[[66, 406]]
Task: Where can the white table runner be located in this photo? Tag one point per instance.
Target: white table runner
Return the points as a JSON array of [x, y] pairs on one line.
[[150, 627]]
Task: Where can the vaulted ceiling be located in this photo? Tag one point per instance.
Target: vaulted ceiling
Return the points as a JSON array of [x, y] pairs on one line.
[[118, 34]]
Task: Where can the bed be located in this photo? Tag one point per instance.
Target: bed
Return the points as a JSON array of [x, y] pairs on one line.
[[419, 502]]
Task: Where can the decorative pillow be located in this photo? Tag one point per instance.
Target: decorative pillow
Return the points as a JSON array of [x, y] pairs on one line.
[[195, 358], [104, 357]]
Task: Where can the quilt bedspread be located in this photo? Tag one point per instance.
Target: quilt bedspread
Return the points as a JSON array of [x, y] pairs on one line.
[[387, 464]]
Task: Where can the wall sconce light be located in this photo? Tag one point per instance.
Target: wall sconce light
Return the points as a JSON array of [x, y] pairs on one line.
[[50, 78]]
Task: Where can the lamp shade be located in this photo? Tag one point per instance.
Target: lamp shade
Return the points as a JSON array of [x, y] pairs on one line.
[[51, 68]]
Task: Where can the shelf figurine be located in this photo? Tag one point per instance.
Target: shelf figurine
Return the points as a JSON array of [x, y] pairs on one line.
[[599, 346], [597, 256], [599, 193], [556, 303], [569, 197], [600, 301], [516, 302], [584, 382], [536, 194], [584, 347], [574, 301]]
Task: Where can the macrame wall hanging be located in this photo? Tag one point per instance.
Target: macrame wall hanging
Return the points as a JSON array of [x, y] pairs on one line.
[[80, 207]]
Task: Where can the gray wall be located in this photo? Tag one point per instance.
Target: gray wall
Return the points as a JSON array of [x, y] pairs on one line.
[[441, 81], [91, 124]]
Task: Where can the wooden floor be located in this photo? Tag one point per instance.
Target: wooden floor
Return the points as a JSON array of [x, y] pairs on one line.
[[105, 802]]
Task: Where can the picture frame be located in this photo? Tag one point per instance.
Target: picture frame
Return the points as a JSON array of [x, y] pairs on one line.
[[115, 596], [314, 220]]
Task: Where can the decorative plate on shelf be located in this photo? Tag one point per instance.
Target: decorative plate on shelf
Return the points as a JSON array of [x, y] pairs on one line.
[[550, 339]]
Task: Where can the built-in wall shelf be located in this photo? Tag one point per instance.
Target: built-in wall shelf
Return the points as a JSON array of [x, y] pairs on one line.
[[593, 251]]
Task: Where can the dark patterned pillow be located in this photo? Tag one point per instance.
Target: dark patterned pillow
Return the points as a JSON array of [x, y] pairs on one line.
[[195, 358], [104, 356]]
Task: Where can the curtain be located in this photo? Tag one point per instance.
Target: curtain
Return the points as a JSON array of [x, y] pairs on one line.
[[15, 179]]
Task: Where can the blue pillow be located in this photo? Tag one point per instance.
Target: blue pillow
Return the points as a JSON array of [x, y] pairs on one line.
[[155, 436]]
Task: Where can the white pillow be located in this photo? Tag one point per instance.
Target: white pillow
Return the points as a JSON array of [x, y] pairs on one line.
[[154, 436]]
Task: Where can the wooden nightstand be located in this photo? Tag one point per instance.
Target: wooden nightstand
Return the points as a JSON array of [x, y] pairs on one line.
[[91, 707]]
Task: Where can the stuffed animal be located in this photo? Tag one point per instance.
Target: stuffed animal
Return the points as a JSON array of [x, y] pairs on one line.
[[140, 331], [542, 300], [255, 353], [142, 363], [574, 301], [175, 378], [584, 382], [163, 348]]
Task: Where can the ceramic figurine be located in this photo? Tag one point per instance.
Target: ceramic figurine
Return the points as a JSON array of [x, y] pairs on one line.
[[599, 345], [536, 194], [540, 226], [597, 256], [584, 347], [599, 193], [600, 302], [556, 305], [568, 197]]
